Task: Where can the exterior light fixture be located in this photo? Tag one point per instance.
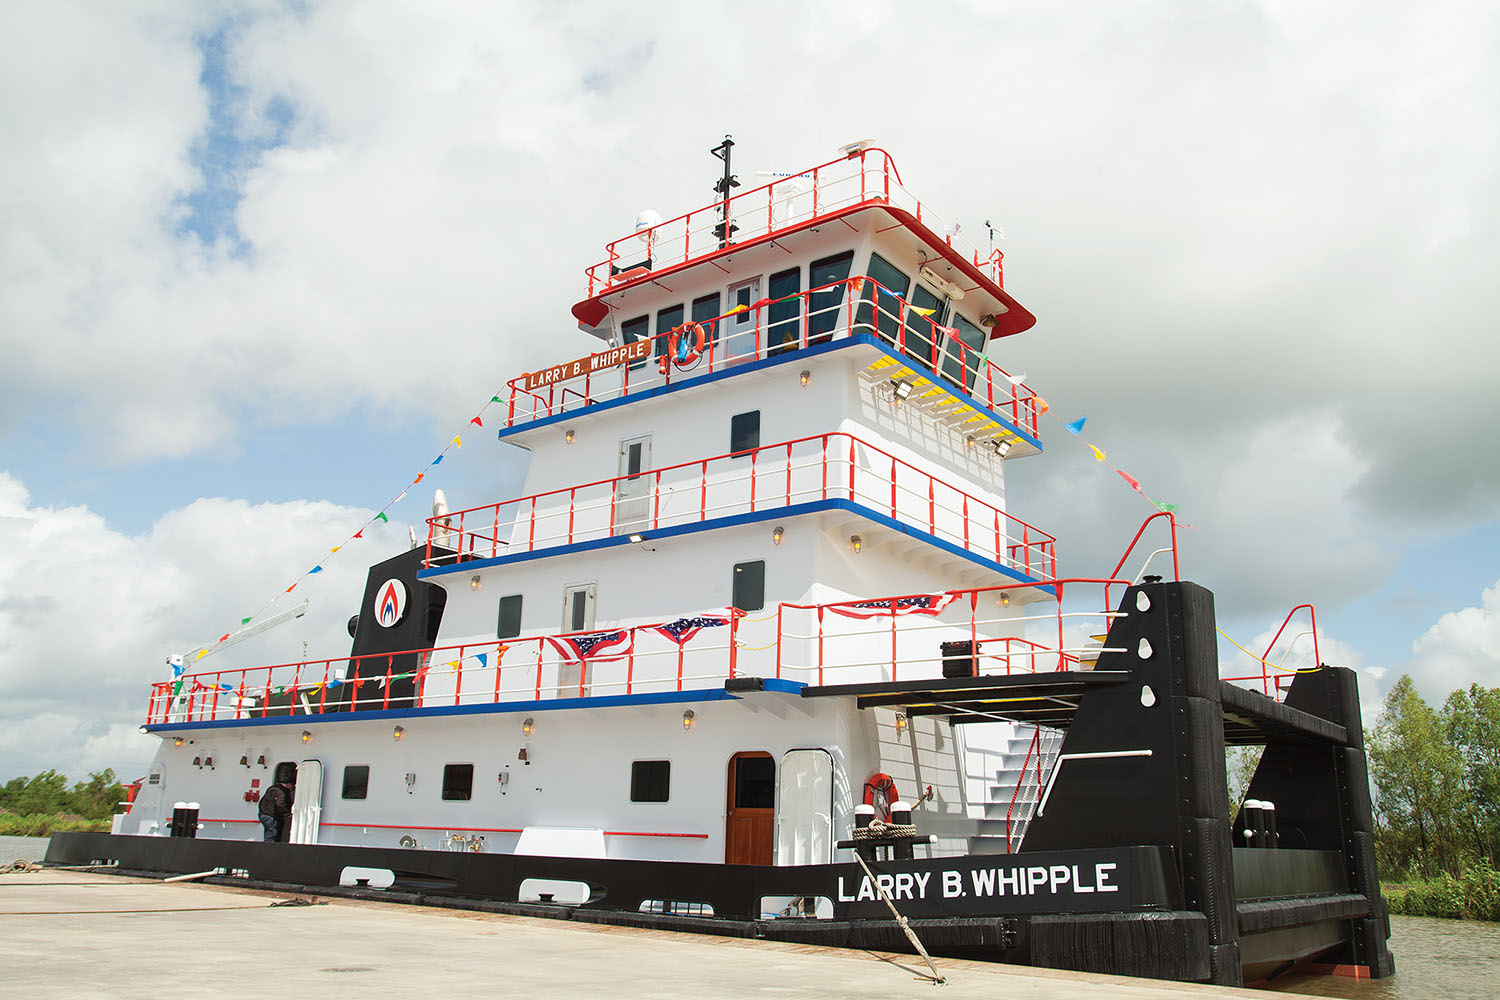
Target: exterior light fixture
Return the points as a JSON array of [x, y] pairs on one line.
[[636, 537], [900, 723], [307, 736], [987, 320], [475, 582], [568, 436], [777, 534], [900, 389], [968, 442], [688, 720], [179, 741], [1003, 447], [1004, 599], [245, 761], [528, 726], [398, 733], [856, 543], [805, 377]]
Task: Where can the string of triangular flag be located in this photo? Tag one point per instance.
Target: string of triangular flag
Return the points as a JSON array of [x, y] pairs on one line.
[[1075, 427], [455, 443]]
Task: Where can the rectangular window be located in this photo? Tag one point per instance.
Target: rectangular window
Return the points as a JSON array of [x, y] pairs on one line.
[[785, 309], [889, 295], [356, 781], [509, 624], [706, 312], [823, 306], [650, 780], [749, 589], [923, 342], [962, 353], [754, 782], [458, 782], [636, 329], [744, 432], [666, 321]]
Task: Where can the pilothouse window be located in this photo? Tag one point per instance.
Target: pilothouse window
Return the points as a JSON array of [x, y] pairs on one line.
[[882, 306], [666, 321], [823, 306]]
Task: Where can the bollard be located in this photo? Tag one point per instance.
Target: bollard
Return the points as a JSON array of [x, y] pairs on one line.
[[1268, 820], [901, 816]]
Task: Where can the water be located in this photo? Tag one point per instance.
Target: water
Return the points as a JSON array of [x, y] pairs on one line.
[[1451, 959], [22, 849]]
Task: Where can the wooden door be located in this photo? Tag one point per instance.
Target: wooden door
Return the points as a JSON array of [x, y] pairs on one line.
[[750, 817]]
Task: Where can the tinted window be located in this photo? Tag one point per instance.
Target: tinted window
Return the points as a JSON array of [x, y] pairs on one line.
[[962, 360], [749, 587], [891, 289], [922, 341], [636, 329], [785, 308], [754, 783], [356, 781], [458, 782], [650, 780], [666, 321], [744, 431], [823, 307], [706, 311], [509, 624]]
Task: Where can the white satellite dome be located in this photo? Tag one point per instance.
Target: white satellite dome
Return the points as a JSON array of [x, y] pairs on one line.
[[648, 218]]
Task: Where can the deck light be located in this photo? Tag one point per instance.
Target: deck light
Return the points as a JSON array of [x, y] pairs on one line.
[[568, 436], [805, 377], [636, 537], [245, 761], [687, 720], [178, 741], [527, 727], [900, 389], [398, 733], [856, 543], [1004, 599], [307, 736], [900, 723], [969, 442], [777, 534], [1002, 448], [475, 583]]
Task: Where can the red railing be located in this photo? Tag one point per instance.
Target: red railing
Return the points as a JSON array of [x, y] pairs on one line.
[[822, 467], [1272, 684], [816, 316], [469, 674], [791, 202], [1033, 750]]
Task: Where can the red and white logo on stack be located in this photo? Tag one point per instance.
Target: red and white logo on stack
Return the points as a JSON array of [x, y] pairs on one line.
[[390, 603]]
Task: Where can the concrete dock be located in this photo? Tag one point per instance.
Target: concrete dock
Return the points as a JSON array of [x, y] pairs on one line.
[[77, 934]]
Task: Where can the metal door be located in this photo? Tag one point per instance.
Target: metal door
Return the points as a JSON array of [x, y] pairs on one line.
[[307, 803], [633, 490], [737, 332], [804, 808]]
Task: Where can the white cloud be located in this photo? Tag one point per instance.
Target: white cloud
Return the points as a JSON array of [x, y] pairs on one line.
[[1460, 648], [88, 615]]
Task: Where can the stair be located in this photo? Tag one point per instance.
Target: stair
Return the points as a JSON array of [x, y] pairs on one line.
[[1013, 785]]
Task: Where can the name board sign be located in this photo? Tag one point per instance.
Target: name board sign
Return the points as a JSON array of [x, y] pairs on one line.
[[637, 350], [1049, 882]]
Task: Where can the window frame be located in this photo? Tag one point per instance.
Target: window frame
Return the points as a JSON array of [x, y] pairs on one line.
[[755, 433], [500, 632], [447, 768], [635, 765], [344, 787]]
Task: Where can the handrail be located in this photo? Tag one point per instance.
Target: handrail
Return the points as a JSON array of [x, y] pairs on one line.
[[968, 370], [671, 243], [1317, 656], [1034, 745], [1015, 542], [1176, 571]]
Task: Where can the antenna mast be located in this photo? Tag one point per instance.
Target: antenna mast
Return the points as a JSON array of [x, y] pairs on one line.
[[725, 230]]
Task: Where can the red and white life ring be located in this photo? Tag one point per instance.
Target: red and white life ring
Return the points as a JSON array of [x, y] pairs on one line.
[[881, 787], [694, 351]]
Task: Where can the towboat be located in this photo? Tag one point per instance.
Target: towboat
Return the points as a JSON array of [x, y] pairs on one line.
[[762, 650]]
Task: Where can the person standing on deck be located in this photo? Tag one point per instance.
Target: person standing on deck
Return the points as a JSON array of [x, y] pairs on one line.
[[276, 810]]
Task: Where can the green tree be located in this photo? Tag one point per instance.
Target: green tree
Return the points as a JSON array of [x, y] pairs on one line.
[[1472, 722], [44, 793], [96, 798], [1418, 777]]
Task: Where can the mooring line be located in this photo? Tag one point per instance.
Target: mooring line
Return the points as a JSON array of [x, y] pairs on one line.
[[911, 935]]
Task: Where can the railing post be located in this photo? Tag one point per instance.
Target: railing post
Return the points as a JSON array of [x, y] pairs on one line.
[[499, 656], [630, 662], [780, 608], [539, 669], [820, 644], [656, 502], [893, 640], [734, 628], [458, 681]]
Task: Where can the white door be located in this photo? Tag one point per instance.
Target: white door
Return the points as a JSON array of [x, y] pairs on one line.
[[633, 490], [737, 332], [578, 616], [804, 809], [307, 803]]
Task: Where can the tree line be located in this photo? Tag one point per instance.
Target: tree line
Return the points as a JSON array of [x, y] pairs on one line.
[[1435, 774], [48, 794]]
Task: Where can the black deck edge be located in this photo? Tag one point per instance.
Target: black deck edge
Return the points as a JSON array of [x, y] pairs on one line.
[[735, 684], [1258, 706], [1061, 678], [1273, 914]]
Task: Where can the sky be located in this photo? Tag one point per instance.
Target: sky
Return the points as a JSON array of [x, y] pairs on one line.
[[260, 262]]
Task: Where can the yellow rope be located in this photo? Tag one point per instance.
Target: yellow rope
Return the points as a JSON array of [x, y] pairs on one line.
[[1261, 659]]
